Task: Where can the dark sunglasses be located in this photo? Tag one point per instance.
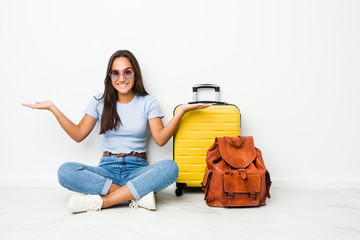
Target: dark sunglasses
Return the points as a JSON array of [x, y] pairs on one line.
[[127, 74]]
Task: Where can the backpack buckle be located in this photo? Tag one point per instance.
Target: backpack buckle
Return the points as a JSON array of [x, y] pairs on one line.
[[252, 197], [242, 172]]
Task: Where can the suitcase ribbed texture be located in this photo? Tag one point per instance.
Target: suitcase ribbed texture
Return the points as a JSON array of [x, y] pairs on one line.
[[196, 133]]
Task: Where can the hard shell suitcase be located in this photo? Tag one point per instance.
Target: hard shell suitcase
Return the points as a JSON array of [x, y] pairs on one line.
[[196, 133]]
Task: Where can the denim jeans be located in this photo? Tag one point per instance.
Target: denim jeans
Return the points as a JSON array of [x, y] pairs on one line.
[[140, 177]]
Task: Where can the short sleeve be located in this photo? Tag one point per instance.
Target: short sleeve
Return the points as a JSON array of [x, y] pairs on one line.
[[92, 108], [153, 108]]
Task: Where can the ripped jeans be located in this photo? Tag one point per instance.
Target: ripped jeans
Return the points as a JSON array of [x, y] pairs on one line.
[[140, 177]]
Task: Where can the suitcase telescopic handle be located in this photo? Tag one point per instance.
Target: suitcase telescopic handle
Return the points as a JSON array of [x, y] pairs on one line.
[[213, 86]]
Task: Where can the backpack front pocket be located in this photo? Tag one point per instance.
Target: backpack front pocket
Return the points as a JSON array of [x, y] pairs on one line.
[[239, 191]]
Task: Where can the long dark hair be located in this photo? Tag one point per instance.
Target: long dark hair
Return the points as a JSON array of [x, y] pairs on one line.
[[110, 118]]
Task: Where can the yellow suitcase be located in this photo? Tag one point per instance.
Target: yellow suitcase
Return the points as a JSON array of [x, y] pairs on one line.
[[197, 132]]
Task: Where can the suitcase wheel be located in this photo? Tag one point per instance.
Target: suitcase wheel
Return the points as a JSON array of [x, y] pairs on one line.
[[179, 189]]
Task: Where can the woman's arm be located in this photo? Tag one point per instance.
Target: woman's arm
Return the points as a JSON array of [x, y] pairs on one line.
[[77, 132], [163, 134]]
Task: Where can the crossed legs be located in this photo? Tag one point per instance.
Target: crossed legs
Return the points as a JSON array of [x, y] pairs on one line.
[[105, 181]]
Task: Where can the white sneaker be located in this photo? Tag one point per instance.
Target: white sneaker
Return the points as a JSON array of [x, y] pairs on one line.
[[84, 203], [147, 201]]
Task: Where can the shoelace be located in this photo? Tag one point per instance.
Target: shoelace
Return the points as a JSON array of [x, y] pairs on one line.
[[91, 205], [134, 204]]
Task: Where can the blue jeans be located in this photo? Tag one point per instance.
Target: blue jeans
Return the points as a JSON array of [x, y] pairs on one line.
[[132, 171]]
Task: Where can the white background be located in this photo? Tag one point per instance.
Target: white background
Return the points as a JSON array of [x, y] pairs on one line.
[[292, 67]]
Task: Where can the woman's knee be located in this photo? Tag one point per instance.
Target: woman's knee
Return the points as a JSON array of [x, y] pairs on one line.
[[66, 171], [171, 168]]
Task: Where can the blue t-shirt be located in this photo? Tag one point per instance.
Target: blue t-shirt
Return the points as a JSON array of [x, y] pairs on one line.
[[133, 132]]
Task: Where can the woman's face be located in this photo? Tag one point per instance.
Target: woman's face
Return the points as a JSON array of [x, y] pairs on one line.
[[123, 77]]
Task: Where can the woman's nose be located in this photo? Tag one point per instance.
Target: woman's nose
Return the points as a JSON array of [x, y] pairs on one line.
[[122, 78]]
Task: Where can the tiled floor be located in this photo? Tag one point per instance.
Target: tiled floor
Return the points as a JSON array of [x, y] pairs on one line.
[[41, 213]]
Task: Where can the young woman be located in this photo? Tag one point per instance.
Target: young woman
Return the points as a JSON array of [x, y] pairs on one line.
[[127, 115]]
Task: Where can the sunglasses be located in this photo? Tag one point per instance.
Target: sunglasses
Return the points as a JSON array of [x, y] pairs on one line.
[[127, 74]]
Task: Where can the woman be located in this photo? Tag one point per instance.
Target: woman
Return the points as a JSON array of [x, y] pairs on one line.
[[127, 115]]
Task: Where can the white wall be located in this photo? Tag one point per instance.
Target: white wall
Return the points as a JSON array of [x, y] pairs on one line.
[[292, 67]]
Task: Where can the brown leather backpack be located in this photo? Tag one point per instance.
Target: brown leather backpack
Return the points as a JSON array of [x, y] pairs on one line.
[[236, 175]]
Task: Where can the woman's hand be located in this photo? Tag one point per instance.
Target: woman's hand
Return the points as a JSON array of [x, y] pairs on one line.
[[190, 107], [78, 132], [46, 105], [162, 134]]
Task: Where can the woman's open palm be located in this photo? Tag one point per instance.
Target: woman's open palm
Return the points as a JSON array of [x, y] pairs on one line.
[[46, 105], [191, 107]]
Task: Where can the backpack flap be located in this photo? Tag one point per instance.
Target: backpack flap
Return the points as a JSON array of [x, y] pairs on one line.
[[238, 152]]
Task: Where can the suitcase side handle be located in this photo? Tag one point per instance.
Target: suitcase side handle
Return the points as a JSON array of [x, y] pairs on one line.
[[213, 86]]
